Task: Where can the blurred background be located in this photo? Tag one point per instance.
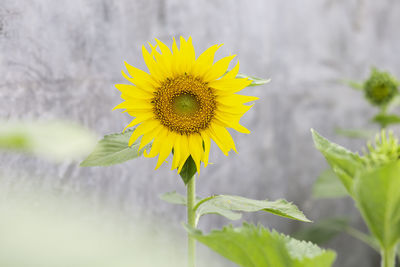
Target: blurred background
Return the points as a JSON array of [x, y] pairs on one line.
[[61, 59]]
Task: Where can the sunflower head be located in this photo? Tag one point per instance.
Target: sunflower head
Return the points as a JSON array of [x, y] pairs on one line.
[[183, 102], [380, 88], [385, 150]]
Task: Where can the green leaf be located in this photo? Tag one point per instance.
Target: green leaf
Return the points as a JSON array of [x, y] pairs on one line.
[[323, 231], [353, 84], [377, 196], [188, 170], [328, 185], [343, 162], [355, 133], [386, 119], [53, 140], [255, 246], [256, 81], [174, 198], [225, 205], [114, 149]]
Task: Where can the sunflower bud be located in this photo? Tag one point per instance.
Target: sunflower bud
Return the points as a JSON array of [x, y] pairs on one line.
[[385, 150], [380, 88]]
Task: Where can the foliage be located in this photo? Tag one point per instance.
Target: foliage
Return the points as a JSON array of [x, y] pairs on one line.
[[255, 246], [114, 149], [256, 81], [53, 140], [373, 181], [328, 185], [228, 206]]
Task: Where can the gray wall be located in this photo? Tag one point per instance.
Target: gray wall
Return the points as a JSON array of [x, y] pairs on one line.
[[61, 59]]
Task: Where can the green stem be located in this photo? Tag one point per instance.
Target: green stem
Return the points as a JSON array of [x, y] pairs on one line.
[[388, 257], [191, 219]]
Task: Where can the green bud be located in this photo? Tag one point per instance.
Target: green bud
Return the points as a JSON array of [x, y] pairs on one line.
[[380, 88], [385, 150]]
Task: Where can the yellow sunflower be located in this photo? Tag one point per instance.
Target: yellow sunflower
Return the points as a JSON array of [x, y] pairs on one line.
[[184, 102]]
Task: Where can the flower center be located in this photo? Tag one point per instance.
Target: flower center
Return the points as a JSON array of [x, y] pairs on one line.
[[184, 104]]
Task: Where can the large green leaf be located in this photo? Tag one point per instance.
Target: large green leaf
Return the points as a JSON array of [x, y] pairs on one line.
[[377, 196], [386, 119], [53, 140], [343, 162], [224, 205], [328, 185], [228, 206], [255, 80], [323, 231], [114, 149], [255, 246]]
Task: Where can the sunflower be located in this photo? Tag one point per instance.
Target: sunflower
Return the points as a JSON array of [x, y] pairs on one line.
[[184, 102]]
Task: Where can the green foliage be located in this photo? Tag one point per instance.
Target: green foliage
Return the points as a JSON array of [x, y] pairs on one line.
[[188, 170], [228, 206], [114, 149], [53, 140], [256, 81], [328, 185], [380, 88], [255, 246], [323, 231], [222, 203], [377, 196], [343, 162], [353, 84], [355, 133], [385, 150], [384, 120]]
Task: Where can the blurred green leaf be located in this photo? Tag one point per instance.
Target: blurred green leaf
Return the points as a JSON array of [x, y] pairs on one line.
[[225, 205], [328, 185], [114, 149], [355, 133], [343, 162], [353, 84], [255, 246], [323, 231], [174, 198], [386, 119], [53, 140], [256, 81], [377, 196]]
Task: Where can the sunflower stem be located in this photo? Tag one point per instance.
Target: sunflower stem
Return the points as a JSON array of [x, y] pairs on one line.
[[388, 257], [191, 219]]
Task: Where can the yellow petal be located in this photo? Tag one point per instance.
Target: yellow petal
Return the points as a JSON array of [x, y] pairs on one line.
[[141, 78], [235, 99], [224, 86], [232, 73], [166, 148], [157, 144], [131, 91], [136, 121], [177, 154], [218, 69], [142, 129], [148, 137], [204, 62], [196, 149], [184, 150], [207, 146]]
